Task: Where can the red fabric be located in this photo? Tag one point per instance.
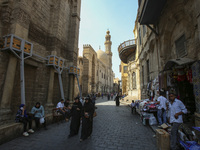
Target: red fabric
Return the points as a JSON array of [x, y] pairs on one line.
[[189, 76]]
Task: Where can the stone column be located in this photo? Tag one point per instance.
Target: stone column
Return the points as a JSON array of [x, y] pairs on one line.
[[71, 88], [5, 111], [9, 82], [49, 104]]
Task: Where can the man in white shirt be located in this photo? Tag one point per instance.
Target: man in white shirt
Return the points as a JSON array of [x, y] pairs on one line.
[[177, 109], [161, 113], [133, 108], [61, 109]]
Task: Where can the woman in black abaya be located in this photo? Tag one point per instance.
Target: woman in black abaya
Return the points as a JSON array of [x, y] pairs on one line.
[[75, 117], [87, 119], [117, 100]]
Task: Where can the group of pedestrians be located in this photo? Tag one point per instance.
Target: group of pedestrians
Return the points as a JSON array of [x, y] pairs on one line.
[[37, 114], [110, 96], [81, 111], [173, 109], [176, 109]]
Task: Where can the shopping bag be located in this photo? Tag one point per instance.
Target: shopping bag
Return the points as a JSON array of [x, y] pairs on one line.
[[42, 120]]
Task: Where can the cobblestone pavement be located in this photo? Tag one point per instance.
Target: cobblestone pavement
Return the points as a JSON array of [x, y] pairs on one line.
[[114, 128]]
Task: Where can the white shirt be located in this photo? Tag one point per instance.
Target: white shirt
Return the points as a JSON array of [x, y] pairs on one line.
[[60, 105], [176, 107], [163, 101], [132, 105]]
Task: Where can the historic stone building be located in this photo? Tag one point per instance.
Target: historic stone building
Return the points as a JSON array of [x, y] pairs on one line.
[[96, 69], [53, 29], [168, 45], [130, 69], [124, 77], [116, 85]]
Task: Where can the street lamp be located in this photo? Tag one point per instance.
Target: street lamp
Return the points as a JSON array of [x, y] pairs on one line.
[[22, 49], [76, 72], [58, 64]]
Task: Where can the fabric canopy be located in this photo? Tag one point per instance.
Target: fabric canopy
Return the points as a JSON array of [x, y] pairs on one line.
[[177, 62]]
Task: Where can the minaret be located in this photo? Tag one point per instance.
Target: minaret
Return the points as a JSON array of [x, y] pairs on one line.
[[108, 44]]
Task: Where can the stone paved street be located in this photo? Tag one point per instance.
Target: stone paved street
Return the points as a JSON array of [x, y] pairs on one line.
[[114, 128]]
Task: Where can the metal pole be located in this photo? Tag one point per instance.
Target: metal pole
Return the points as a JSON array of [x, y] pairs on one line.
[[79, 86], [61, 86], [22, 81]]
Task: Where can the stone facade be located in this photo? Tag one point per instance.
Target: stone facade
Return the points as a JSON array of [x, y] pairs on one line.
[[179, 20], [116, 85], [124, 78], [53, 28], [96, 69], [128, 53]]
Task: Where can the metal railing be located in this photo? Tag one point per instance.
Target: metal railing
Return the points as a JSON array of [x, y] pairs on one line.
[[126, 44]]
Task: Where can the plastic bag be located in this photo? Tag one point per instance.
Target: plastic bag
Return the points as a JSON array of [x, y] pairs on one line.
[[42, 120], [152, 121]]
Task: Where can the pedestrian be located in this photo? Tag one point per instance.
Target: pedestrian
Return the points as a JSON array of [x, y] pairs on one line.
[[133, 107], [75, 117], [22, 117], [93, 100], [87, 120], [38, 113], [102, 95], [111, 95], [162, 107], [117, 100], [177, 109], [108, 95], [61, 109]]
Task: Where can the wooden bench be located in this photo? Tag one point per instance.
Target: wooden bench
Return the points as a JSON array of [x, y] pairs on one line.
[[57, 116]]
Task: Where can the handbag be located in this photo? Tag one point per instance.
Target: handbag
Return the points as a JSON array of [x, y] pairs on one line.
[[95, 114]]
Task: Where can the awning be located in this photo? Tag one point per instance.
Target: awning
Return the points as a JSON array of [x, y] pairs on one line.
[[177, 62], [151, 11]]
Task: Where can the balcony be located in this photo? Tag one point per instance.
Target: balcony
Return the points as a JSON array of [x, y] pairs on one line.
[[150, 11], [125, 49]]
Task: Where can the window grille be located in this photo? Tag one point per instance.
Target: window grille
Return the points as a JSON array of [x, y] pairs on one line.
[[180, 47]]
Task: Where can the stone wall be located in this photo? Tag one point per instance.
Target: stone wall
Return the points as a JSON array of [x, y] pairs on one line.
[[53, 28], [177, 18]]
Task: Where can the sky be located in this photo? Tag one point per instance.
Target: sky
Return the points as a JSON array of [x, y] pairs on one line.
[[97, 16]]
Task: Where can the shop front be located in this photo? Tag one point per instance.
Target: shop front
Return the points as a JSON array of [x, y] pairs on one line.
[[178, 75]]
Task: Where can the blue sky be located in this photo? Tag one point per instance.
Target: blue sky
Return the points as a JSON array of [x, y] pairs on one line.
[[99, 15]]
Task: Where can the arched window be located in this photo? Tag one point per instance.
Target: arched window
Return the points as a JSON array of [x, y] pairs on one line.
[[134, 80]]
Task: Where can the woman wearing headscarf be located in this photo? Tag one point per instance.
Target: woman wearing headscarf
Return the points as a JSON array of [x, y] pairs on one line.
[[117, 100], [87, 119], [38, 113], [22, 116], [75, 117]]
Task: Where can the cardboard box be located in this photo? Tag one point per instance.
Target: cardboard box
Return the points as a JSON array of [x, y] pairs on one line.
[[163, 139]]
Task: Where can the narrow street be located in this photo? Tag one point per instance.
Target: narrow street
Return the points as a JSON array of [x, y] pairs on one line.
[[114, 128]]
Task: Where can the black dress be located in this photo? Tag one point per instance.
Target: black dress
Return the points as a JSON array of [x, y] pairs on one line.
[[87, 121], [117, 100], [75, 121]]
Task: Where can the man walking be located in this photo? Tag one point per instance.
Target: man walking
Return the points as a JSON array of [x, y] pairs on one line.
[[177, 109], [161, 113]]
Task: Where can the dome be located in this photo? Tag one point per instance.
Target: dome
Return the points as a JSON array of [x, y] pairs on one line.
[[102, 56]]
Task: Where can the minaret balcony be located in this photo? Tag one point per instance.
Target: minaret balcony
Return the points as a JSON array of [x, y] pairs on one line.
[[126, 49]]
